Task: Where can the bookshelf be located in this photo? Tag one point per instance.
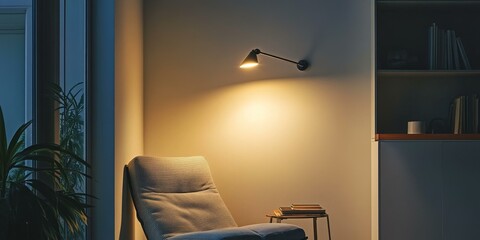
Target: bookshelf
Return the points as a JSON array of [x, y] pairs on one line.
[[408, 87], [427, 184]]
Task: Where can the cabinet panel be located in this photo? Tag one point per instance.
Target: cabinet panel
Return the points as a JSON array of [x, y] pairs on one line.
[[410, 190], [429, 190], [461, 179]]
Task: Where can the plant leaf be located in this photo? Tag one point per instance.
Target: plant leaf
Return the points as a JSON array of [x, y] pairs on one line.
[[3, 147], [13, 145]]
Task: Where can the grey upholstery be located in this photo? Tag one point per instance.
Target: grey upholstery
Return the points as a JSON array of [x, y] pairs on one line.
[[176, 199], [265, 231]]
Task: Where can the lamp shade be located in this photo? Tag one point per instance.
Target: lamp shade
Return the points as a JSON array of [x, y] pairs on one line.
[[250, 61]]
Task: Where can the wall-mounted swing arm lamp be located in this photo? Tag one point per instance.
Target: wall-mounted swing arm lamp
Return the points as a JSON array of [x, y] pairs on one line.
[[252, 61]]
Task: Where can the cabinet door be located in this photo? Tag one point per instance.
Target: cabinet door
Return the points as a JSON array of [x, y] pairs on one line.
[[410, 190], [461, 174]]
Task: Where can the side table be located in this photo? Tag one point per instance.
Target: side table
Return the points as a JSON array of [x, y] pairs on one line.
[[314, 218]]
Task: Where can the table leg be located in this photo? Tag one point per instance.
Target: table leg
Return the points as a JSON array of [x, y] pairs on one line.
[[271, 218], [328, 225], [315, 228], [279, 220]]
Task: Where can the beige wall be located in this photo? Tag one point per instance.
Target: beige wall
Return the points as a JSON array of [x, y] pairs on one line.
[[128, 104], [273, 135]]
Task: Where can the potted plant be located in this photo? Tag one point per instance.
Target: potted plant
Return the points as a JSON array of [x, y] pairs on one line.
[[31, 207]]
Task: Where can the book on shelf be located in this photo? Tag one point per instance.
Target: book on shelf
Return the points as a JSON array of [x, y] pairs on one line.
[[464, 114], [432, 48], [448, 48], [463, 55], [456, 59], [445, 50]]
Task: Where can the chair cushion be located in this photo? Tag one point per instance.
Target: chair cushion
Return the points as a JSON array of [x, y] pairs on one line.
[[262, 231], [277, 231], [233, 233]]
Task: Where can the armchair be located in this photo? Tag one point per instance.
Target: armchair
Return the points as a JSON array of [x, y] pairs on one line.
[[176, 199]]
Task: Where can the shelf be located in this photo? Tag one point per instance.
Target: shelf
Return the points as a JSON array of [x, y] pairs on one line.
[[402, 31], [428, 73], [402, 136]]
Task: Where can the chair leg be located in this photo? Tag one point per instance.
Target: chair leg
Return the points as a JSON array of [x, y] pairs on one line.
[[328, 225]]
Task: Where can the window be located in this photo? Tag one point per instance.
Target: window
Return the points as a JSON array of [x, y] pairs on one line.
[[16, 65], [43, 46]]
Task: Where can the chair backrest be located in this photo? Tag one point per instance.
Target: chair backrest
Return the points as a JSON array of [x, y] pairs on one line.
[[176, 195]]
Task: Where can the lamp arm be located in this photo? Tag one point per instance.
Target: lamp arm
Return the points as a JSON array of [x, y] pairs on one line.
[[284, 59]]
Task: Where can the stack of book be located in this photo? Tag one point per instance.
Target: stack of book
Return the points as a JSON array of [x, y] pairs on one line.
[[300, 209], [445, 50], [464, 114]]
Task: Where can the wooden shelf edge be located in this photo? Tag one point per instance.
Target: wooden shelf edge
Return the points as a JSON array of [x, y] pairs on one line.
[[427, 2], [402, 136], [447, 73]]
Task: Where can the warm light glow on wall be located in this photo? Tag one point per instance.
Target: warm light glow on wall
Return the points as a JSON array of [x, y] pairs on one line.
[[257, 111], [253, 116]]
